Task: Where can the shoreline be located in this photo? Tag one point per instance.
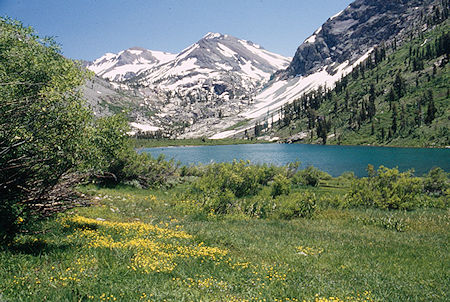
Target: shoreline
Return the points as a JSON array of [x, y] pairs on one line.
[[227, 142]]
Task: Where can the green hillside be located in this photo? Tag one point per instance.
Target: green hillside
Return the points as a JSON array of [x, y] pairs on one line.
[[399, 97]]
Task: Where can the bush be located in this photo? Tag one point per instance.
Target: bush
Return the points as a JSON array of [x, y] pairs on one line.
[[386, 189], [43, 123], [220, 202], [115, 161], [310, 176], [296, 205], [191, 170], [260, 206], [436, 182], [281, 185], [222, 186], [239, 177]]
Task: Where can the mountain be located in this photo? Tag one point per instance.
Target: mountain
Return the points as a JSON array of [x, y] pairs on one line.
[[334, 49], [108, 98], [399, 96], [219, 63], [222, 86], [128, 63], [201, 90], [353, 32]]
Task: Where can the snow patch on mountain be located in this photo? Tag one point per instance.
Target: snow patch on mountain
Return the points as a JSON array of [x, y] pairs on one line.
[[336, 15], [281, 92], [226, 51], [128, 63], [239, 67], [311, 39], [144, 127]]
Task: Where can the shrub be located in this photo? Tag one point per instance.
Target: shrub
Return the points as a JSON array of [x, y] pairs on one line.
[[310, 176], [436, 182], [220, 202], [191, 170], [296, 205], [281, 185], [386, 189], [330, 201], [347, 175], [260, 206], [115, 161], [141, 169], [222, 186], [239, 177]]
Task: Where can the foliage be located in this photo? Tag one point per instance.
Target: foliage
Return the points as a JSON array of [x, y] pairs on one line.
[[175, 250], [281, 185], [47, 132], [109, 143], [259, 206], [42, 122], [116, 161], [386, 189], [296, 205], [310, 176], [436, 182], [221, 185], [239, 177], [389, 222]]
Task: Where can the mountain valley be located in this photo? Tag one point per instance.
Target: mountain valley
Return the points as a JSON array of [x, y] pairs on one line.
[[222, 86]]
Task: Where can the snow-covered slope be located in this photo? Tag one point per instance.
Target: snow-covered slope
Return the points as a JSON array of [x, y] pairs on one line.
[[128, 63], [282, 91], [219, 63], [208, 83], [333, 50]]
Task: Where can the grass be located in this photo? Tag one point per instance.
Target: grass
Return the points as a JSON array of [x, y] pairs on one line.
[[134, 245]]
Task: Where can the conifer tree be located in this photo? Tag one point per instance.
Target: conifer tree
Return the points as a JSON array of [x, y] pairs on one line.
[[394, 119], [431, 111], [399, 86]]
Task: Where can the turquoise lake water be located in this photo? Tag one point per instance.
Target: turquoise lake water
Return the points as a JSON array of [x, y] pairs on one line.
[[332, 159]]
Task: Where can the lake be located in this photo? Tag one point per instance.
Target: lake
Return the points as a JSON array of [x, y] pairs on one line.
[[332, 159]]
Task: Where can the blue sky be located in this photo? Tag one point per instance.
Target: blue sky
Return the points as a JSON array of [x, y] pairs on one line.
[[87, 29]]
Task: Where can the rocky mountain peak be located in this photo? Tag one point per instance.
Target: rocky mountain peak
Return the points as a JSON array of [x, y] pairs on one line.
[[211, 35], [354, 31], [217, 58], [128, 63]]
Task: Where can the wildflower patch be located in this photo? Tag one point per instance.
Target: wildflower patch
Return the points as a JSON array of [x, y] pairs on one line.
[[150, 248]]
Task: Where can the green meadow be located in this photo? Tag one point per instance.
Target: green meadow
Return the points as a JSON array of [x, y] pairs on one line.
[[135, 244]]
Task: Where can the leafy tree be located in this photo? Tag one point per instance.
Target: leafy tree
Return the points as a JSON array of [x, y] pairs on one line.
[[43, 123], [281, 185], [386, 189]]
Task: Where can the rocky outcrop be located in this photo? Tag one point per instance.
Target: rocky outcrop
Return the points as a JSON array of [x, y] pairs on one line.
[[354, 31]]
